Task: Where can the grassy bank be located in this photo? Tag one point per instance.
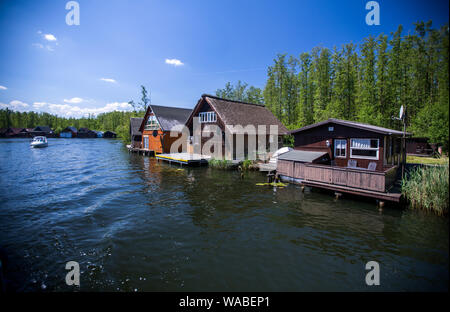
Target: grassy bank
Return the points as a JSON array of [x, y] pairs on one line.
[[426, 160], [426, 188]]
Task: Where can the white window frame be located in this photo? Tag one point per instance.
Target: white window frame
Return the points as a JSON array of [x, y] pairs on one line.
[[335, 145], [206, 117], [367, 148]]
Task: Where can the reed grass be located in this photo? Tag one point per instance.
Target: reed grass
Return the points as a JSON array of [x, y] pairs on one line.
[[220, 164], [426, 188]]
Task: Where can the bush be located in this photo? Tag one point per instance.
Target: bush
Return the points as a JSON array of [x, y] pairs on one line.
[[426, 188]]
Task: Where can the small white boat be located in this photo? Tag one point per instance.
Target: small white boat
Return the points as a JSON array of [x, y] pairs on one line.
[[39, 141]]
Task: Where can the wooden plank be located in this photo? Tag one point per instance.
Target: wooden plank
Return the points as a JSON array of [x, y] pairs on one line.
[[394, 197]]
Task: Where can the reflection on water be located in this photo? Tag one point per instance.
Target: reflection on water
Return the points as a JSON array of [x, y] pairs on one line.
[[135, 224]]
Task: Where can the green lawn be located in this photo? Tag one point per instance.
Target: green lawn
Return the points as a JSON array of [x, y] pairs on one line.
[[426, 160]]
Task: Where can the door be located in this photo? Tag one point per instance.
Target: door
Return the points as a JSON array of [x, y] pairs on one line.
[[146, 142]]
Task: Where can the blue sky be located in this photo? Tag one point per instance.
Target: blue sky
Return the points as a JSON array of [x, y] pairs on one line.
[[47, 65]]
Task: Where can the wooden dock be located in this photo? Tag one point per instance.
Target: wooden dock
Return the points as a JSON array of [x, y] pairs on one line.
[[143, 151], [184, 158]]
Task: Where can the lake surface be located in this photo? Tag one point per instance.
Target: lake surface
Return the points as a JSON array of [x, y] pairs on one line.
[[134, 224]]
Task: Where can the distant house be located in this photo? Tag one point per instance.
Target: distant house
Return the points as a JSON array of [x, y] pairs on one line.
[[42, 131], [135, 133], [109, 135], [86, 133], [26, 133], [11, 132], [419, 146], [227, 114], [69, 132], [157, 124]]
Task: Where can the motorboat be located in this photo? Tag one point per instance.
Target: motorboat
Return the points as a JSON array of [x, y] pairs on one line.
[[39, 141]]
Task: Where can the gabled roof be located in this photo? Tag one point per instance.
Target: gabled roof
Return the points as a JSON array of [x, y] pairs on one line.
[[352, 124], [70, 128], [135, 124], [234, 113], [301, 156], [42, 129], [167, 116], [14, 130]]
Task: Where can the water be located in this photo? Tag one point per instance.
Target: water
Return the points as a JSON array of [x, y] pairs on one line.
[[135, 224]]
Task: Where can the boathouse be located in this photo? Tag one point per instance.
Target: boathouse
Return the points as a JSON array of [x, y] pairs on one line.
[[346, 156], [68, 132], [10, 132], [157, 125], [109, 135], [135, 133], [42, 131], [226, 114]]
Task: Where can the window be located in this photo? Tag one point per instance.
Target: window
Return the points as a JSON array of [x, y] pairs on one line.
[[340, 148], [364, 148], [207, 117], [152, 123]]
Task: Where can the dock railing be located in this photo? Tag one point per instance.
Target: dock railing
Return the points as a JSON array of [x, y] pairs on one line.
[[360, 178]]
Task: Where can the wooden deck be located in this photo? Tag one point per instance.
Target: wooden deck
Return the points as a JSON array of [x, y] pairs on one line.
[[184, 158], [358, 181], [142, 151]]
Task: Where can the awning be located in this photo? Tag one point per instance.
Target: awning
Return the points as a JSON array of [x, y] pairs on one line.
[[301, 156]]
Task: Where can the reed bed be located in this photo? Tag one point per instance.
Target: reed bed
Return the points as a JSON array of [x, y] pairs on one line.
[[426, 188]]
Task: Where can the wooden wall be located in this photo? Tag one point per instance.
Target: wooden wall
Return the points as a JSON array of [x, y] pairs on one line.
[[314, 139]]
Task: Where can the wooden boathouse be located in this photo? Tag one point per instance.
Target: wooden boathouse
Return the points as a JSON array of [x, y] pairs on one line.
[[225, 114], [347, 157], [156, 126]]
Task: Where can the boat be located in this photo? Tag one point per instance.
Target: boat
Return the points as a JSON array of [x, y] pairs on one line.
[[39, 141]]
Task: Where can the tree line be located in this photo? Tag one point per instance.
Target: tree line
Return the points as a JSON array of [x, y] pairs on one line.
[[368, 83]]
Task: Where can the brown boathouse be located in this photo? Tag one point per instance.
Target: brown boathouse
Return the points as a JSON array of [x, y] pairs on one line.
[[226, 114], [346, 156], [157, 124]]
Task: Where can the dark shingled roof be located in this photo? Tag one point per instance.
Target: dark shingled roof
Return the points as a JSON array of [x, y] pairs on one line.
[[135, 124], [42, 129], [70, 128], [168, 117], [302, 156], [242, 113], [353, 124]]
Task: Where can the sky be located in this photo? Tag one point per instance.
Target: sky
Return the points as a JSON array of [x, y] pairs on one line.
[[178, 50]]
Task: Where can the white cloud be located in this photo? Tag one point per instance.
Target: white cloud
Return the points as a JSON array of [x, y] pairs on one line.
[[38, 105], [74, 100], [15, 105], [108, 80], [174, 62], [3, 88], [49, 37], [66, 110]]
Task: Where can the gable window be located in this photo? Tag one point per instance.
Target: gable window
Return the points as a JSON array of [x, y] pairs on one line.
[[152, 123], [340, 148], [365, 148], [207, 117]]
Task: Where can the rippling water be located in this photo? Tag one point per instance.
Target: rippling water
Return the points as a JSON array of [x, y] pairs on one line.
[[135, 224]]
